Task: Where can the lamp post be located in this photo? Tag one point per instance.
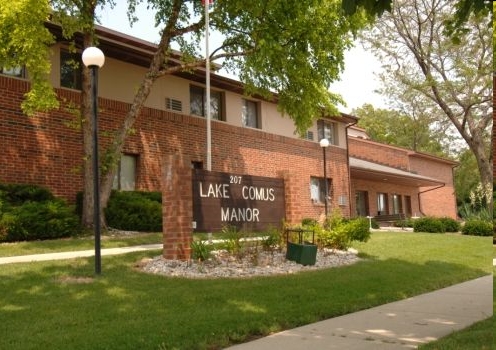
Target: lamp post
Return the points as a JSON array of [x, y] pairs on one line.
[[324, 143], [93, 58]]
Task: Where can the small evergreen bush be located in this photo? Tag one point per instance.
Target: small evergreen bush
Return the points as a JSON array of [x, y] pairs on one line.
[[17, 194], [476, 227], [428, 224], [39, 220], [450, 225], [31, 212], [134, 211]]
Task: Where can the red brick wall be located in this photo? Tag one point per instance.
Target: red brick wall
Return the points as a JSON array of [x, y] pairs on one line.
[[45, 150], [378, 153], [441, 201], [437, 202]]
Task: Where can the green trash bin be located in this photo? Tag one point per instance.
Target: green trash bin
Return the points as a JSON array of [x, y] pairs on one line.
[[304, 253]]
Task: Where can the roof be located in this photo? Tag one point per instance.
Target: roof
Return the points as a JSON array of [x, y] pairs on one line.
[[362, 169]]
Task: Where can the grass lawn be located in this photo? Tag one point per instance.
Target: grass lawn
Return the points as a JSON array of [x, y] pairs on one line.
[[59, 305]]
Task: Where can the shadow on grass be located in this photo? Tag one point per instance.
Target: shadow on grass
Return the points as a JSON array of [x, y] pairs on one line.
[[59, 305]]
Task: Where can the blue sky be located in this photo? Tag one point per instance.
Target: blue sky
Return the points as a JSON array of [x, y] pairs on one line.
[[356, 86]]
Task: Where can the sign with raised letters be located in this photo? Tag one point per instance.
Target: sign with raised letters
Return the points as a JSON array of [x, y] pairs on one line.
[[244, 201]]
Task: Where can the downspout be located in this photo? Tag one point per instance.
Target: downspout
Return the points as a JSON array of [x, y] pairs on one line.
[[348, 162], [420, 202]]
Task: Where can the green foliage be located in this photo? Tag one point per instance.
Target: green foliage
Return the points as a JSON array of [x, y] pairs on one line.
[[476, 227], [400, 129], [428, 224], [31, 212], [25, 42], [272, 240], [200, 250], [338, 233], [232, 241], [16, 194], [134, 211], [450, 225], [40, 220]]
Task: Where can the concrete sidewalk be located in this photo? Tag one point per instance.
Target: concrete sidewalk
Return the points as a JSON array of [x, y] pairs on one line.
[[77, 254], [403, 324]]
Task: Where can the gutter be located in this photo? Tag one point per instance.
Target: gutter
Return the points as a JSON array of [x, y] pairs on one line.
[[348, 162], [430, 189]]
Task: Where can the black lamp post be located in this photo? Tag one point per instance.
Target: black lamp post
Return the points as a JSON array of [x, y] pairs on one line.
[[93, 58], [324, 143]]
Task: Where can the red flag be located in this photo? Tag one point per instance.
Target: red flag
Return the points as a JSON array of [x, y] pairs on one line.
[[210, 2]]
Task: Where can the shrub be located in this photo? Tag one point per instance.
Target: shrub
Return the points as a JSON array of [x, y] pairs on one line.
[[134, 211], [39, 220], [428, 224], [358, 229], [342, 232], [17, 194], [200, 250], [476, 227], [450, 225], [272, 240]]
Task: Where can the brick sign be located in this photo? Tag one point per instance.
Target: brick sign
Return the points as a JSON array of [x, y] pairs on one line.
[[246, 202]]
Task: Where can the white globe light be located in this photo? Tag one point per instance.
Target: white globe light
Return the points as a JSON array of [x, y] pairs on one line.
[[93, 56], [324, 143]]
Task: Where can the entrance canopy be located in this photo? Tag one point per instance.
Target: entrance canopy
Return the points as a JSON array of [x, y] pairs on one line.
[[362, 169]]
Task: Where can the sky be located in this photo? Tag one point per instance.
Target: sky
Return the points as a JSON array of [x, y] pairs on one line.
[[357, 82]]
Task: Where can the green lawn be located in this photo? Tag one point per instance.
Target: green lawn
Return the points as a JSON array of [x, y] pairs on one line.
[[58, 305]]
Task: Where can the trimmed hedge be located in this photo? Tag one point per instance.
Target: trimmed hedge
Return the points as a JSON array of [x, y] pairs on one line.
[[476, 227], [30, 212], [135, 211], [436, 225]]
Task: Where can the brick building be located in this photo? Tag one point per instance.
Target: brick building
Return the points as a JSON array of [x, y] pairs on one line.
[[249, 136]]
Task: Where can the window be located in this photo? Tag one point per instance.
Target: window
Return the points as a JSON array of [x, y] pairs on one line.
[[249, 114], [328, 130], [70, 70], [198, 102], [125, 178], [18, 72], [318, 189], [408, 206], [361, 203], [382, 204], [397, 204]]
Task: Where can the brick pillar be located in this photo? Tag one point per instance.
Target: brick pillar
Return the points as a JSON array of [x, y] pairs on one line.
[[293, 212], [177, 207]]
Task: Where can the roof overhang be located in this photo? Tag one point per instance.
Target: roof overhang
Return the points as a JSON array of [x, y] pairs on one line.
[[362, 169]]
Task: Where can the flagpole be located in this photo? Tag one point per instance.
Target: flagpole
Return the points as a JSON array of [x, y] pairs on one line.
[[207, 82]]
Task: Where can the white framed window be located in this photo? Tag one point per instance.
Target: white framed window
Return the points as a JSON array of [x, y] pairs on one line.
[[318, 189], [249, 114], [18, 72], [328, 130], [198, 102], [70, 70], [382, 204], [125, 177]]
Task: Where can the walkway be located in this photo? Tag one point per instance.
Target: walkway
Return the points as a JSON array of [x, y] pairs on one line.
[[403, 324], [77, 254]]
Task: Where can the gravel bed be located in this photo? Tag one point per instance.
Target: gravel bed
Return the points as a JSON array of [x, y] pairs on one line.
[[256, 263]]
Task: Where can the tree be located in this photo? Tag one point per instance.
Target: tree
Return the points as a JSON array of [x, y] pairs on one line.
[[451, 79], [293, 48], [398, 129]]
